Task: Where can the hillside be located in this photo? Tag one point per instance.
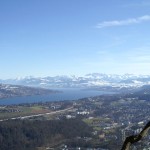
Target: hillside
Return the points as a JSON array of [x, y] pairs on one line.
[[7, 90], [28, 135]]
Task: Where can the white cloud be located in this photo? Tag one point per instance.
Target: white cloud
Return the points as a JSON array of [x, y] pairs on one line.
[[124, 22]]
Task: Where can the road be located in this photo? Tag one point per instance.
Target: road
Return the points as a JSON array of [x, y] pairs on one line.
[[37, 115]]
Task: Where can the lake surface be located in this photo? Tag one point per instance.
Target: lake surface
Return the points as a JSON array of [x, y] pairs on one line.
[[66, 94]]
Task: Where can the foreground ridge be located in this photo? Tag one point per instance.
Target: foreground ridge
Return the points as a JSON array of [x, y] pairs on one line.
[[135, 138]]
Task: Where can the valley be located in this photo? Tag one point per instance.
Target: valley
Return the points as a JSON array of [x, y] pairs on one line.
[[109, 119]]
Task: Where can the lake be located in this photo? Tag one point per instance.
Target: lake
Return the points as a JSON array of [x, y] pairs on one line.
[[66, 94]]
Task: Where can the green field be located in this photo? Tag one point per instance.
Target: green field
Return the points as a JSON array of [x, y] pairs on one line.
[[22, 111]]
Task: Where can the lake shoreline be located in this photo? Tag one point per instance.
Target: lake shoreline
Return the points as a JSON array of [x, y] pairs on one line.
[[64, 95]]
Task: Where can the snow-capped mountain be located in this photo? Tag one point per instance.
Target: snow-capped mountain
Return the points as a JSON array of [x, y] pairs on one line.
[[89, 80]]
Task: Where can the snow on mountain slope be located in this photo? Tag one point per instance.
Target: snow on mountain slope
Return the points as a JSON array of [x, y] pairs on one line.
[[89, 80]]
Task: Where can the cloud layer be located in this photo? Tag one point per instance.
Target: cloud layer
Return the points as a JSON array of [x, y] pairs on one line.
[[123, 22]]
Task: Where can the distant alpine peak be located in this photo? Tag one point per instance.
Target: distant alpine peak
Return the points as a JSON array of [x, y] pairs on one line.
[[89, 80], [124, 76], [127, 75]]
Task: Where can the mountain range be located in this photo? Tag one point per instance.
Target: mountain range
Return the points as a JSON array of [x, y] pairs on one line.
[[88, 81]]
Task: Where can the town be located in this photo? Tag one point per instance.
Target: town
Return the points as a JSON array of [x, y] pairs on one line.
[[111, 117]]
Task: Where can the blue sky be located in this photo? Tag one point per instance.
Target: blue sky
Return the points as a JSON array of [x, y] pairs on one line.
[[66, 37]]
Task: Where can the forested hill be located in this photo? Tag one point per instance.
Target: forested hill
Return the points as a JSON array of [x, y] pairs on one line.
[[28, 135], [7, 90]]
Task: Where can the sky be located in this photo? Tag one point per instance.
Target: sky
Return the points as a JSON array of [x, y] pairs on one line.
[[74, 37]]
